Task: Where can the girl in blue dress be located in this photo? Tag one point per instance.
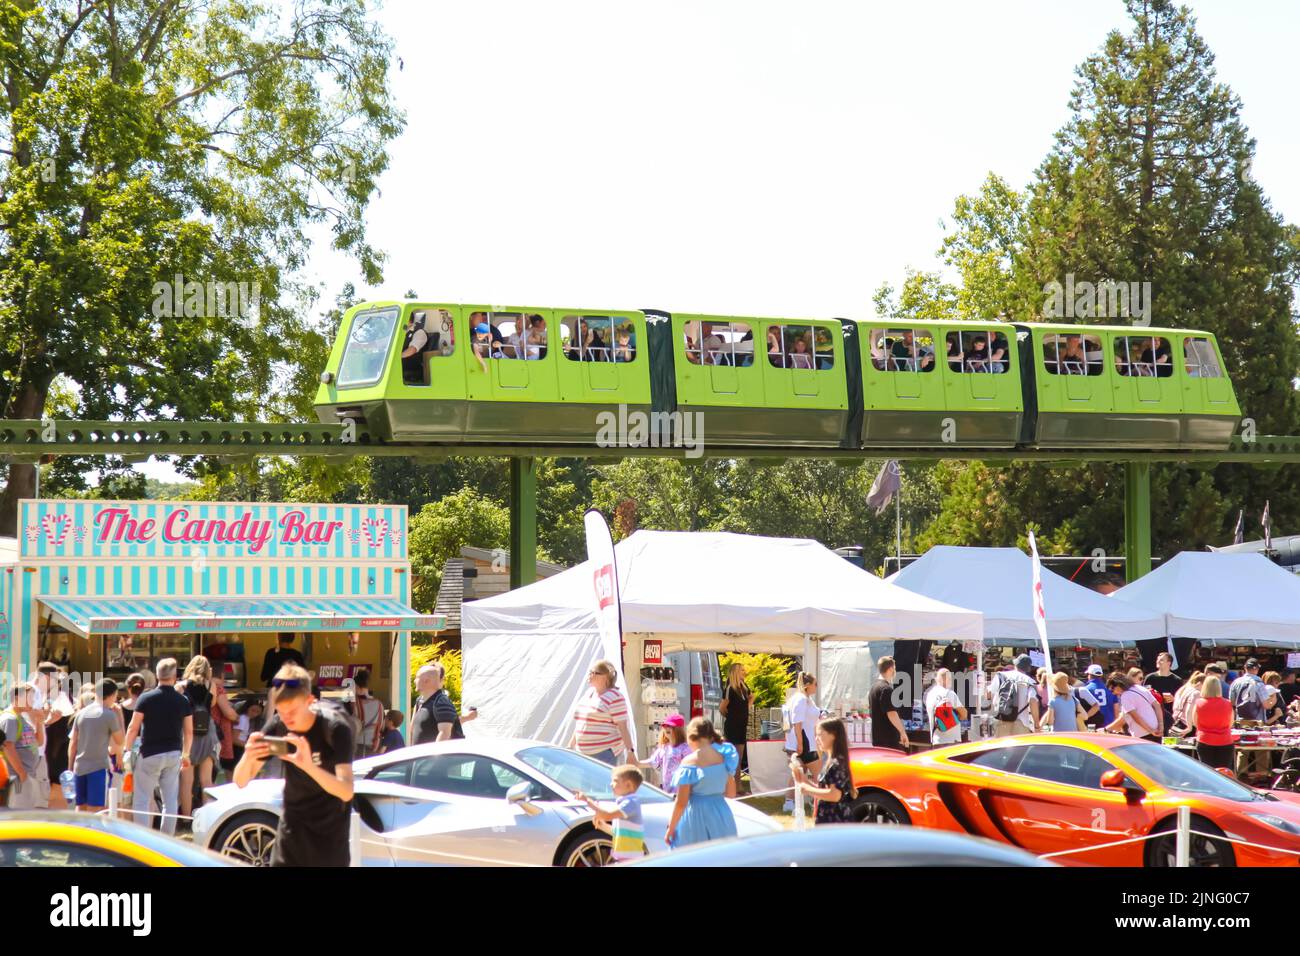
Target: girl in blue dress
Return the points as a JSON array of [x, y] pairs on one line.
[[704, 781]]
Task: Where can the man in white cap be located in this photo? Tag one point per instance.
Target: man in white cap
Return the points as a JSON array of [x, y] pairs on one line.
[[1096, 686]]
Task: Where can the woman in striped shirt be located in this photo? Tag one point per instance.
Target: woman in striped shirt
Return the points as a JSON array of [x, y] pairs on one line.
[[602, 718]]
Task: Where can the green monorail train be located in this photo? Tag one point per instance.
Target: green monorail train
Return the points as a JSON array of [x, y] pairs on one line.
[[466, 374]]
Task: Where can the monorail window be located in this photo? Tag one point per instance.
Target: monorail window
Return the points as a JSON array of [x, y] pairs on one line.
[[1200, 359], [517, 335], [366, 351], [719, 343], [598, 338], [978, 351], [429, 332], [800, 346], [1147, 355], [902, 350], [1073, 353]]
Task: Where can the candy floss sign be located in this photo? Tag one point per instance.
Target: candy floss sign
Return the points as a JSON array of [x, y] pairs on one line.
[[255, 530]]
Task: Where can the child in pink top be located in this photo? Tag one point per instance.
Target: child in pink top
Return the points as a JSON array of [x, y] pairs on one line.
[[672, 748]]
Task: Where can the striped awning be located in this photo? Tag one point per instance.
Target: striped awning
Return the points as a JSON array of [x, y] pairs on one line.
[[86, 616]]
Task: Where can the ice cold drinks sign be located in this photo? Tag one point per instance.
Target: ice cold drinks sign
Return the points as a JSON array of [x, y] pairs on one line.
[[118, 525]]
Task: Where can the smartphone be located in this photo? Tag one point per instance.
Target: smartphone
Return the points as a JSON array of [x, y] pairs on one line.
[[279, 745]]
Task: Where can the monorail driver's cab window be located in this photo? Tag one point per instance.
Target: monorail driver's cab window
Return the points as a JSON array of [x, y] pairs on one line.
[[429, 332], [366, 351], [1072, 353]]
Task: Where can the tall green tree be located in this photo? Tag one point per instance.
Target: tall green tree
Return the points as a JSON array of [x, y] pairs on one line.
[[146, 140], [1149, 181], [441, 528], [669, 494]]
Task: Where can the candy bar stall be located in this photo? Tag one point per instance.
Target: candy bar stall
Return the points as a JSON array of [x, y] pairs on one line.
[[112, 587]]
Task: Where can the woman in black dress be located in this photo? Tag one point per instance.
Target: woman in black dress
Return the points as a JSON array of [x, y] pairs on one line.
[[735, 713], [834, 790]]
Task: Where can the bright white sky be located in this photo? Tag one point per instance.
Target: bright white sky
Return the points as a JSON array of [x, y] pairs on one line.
[[752, 157]]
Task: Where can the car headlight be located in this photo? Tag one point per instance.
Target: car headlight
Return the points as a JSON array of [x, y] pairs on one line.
[[1277, 823]]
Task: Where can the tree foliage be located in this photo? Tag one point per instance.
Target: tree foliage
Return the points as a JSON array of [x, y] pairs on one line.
[[1149, 181], [441, 528], [429, 652], [768, 676], [147, 140]]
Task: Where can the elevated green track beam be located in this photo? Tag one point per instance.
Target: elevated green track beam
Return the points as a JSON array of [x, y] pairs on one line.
[[28, 441]]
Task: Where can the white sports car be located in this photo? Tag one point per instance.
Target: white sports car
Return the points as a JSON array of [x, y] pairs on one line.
[[476, 802]]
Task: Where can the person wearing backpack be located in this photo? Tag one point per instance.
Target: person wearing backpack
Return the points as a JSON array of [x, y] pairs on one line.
[[22, 727], [944, 710], [1248, 694], [1014, 695], [165, 724], [205, 696]]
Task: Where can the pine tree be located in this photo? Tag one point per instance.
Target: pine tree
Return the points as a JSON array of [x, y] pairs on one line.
[[1149, 181]]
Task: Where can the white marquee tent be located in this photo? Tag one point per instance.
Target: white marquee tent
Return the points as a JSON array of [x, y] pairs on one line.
[[526, 652], [999, 582], [1222, 598]]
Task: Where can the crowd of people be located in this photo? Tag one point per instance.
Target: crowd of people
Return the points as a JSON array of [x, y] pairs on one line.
[[152, 744], [1203, 708], [159, 739]]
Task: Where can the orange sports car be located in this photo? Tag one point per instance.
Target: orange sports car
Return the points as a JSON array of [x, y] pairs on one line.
[[1048, 793]]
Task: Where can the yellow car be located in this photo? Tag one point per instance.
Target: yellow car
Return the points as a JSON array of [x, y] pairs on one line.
[[39, 838]]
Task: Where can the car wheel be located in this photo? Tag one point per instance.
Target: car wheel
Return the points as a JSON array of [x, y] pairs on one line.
[[591, 849], [1203, 851], [876, 806], [248, 837]]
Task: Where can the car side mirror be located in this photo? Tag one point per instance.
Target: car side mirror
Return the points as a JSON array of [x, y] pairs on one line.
[[518, 795], [1113, 779], [1118, 780]]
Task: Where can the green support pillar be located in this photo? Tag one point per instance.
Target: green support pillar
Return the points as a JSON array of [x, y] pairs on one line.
[[523, 521], [1137, 519]]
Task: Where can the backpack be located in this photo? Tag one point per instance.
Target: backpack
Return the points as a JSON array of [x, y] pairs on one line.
[[1006, 707], [945, 718], [200, 699], [1245, 702]]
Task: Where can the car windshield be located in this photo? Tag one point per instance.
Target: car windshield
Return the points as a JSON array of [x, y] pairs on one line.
[[574, 772], [1175, 771], [367, 349]]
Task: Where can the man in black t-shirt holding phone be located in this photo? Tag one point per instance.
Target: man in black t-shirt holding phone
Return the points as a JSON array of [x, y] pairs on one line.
[[315, 745]]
